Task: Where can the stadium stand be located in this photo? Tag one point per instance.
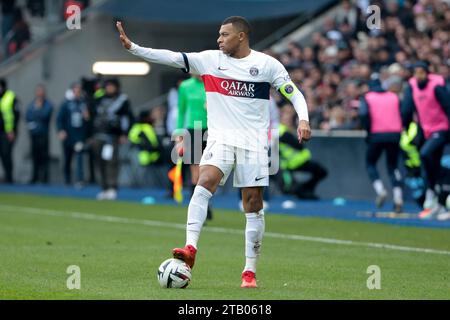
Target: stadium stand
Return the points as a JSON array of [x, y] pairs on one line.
[[334, 64]]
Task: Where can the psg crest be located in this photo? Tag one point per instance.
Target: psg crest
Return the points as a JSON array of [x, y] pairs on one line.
[[254, 71]]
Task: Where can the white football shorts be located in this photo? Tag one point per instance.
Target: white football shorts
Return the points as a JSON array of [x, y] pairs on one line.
[[251, 168]]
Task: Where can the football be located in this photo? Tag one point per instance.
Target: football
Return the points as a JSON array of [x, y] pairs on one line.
[[174, 273]]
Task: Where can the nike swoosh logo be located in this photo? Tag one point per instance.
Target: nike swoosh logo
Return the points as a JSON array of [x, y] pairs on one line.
[[257, 179], [222, 69], [189, 224]]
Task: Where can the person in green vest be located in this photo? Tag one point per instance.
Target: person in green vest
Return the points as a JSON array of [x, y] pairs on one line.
[[192, 125], [410, 142], [9, 117], [294, 157], [143, 135]]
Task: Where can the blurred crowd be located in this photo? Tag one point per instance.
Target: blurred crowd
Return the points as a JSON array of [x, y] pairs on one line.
[[15, 33], [333, 70], [94, 123]]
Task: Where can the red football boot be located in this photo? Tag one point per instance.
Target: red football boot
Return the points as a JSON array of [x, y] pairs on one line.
[[248, 280], [187, 254]]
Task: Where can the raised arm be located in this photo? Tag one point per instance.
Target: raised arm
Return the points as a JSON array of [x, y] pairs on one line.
[[123, 37], [282, 82], [165, 57]]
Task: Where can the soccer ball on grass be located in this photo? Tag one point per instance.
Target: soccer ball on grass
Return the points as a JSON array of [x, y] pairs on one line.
[[174, 273]]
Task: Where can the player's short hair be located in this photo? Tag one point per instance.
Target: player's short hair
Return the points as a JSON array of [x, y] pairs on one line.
[[240, 23], [422, 64]]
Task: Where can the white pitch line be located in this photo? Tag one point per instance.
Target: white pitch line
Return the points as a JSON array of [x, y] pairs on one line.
[[153, 223]]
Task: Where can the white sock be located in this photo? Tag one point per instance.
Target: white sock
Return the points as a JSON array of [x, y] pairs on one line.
[[429, 196], [254, 231], [429, 199], [379, 188], [197, 211], [398, 195]]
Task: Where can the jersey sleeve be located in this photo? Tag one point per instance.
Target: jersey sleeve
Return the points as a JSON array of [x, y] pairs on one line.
[[199, 62], [281, 81], [160, 56], [278, 74], [192, 62]]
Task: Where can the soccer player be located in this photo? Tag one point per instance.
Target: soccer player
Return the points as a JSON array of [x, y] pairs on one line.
[[237, 82]]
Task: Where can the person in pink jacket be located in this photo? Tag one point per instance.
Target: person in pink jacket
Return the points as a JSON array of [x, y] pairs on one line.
[[427, 96], [380, 115]]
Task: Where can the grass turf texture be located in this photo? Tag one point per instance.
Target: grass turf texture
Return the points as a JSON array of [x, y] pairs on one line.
[[119, 259]]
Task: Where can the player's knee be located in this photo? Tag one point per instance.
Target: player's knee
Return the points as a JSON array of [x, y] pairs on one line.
[[205, 184], [209, 178], [253, 202], [208, 183]]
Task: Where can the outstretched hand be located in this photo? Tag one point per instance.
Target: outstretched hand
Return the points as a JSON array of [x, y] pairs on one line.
[[123, 37], [303, 131]]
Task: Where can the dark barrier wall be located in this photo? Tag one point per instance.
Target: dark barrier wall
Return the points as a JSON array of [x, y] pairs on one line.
[[344, 158], [343, 155]]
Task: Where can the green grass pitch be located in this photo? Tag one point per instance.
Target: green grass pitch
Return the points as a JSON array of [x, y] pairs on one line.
[[119, 246]]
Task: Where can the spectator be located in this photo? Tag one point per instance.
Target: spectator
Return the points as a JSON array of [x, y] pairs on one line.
[[347, 14], [93, 90], [8, 7], [294, 157], [410, 142], [36, 8], [143, 136], [19, 36], [337, 119], [9, 117], [158, 115], [112, 121], [38, 117], [71, 124]]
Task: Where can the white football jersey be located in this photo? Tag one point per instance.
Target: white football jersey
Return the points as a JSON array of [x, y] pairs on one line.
[[238, 93]]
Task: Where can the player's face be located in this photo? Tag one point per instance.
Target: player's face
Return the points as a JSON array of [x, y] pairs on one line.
[[420, 74], [229, 39]]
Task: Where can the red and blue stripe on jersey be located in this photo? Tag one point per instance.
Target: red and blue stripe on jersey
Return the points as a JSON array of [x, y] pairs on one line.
[[236, 88]]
